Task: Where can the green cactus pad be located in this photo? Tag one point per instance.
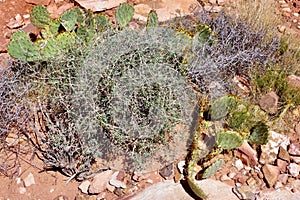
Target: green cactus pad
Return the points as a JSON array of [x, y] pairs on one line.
[[54, 26], [80, 15], [40, 16], [102, 22], [205, 34], [222, 106], [22, 48], [124, 14], [152, 20], [68, 19], [228, 140], [259, 134], [211, 170]]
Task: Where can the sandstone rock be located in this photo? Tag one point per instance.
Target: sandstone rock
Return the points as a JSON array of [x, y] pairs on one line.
[[31, 29], [283, 154], [56, 12], [283, 178], [282, 164], [15, 22], [297, 128], [279, 194], [270, 150], [165, 9], [84, 186], [117, 179], [269, 102], [245, 192], [250, 152], [167, 171], [294, 149], [100, 182], [294, 81], [99, 5], [38, 2], [29, 180], [169, 190], [296, 4], [271, 174], [295, 159], [294, 169]]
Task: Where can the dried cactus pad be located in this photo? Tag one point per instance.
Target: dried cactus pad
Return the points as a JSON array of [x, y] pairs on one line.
[[259, 134]]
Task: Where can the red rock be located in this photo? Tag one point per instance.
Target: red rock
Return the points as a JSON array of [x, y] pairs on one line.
[[295, 159], [294, 81], [249, 152], [38, 2], [117, 179], [100, 182], [271, 174], [283, 154], [84, 186], [294, 149], [282, 164], [283, 178], [269, 102]]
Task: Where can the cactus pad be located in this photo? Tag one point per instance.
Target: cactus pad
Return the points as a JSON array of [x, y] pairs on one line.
[[211, 170], [228, 140], [259, 134], [68, 19], [40, 16], [222, 106], [152, 20], [124, 14]]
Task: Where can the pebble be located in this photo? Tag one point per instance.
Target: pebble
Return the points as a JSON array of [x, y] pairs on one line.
[[29, 180], [283, 154], [22, 190], [286, 10], [100, 182], [296, 14], [117, 179], [269, 102], [239, 164], [180, 166], [294, 169], [294, 149], [15, 22], [271, 174], [283, 178], [281, 29], [167, 171], [84, 186], [282, 164]]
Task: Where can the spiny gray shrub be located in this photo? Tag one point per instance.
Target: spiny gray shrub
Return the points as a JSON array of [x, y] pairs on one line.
[[131, 94], [237, 50]]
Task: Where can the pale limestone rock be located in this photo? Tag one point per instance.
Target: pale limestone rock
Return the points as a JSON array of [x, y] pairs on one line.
[[100, 182], [29, 180], [84, 186], [99, 5]]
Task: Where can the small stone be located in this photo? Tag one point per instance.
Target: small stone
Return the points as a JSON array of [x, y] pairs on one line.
[[61, 197], [180, 166], [84, 186], [294, 169], [221, 2], [278, 185], [286, 10], [214, 2], [245, 192], [167, 171], [117, 179], [294, 149], [271, 174], [251, 181], [18, 180], [281, 29], [16, 22], [283, 178], [224, 177], [296, 14], [282, 164], [239, 164], [270, 150], [110, 188], [269, 102], [100, 182], [298, 27], [283, 154], [26, 16], [295, 20], [295, 159], [250, 152], [294, 81], [51, 190], [22, 190], [297, 128], [149, 181], [29, 180], [231, 175]]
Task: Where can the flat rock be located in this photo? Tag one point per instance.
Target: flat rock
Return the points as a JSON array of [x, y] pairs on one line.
[[38, 2], [279, 194], [117, 179], [270, 150], [55, 11], [269, 102], [99, 5], [29, 180], [167, 171], [271, 174], [84, 186], [169, 190], [15, 22], [283, 154], [294, 81], [165, 9], [294, 149], [249, 152], [294, 169], [100, 182], [282, 164]]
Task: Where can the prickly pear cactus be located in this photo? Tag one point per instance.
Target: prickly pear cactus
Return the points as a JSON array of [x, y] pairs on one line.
[[22, 48], [228, 139], [211, 170], [205, 34], [124, 14], [259, 134], [102, 23], [68, 19], [152, 20], [40, 16], [222, 106]]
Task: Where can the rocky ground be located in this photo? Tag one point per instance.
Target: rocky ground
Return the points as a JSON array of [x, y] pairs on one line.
[[271, 173]]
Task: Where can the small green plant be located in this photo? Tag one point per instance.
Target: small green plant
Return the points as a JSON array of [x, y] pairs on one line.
[[124, 14], [152, 20]]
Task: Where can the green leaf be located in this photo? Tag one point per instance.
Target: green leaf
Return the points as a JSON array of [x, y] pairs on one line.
[[40, 16], [68, 19], [124, 14]]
